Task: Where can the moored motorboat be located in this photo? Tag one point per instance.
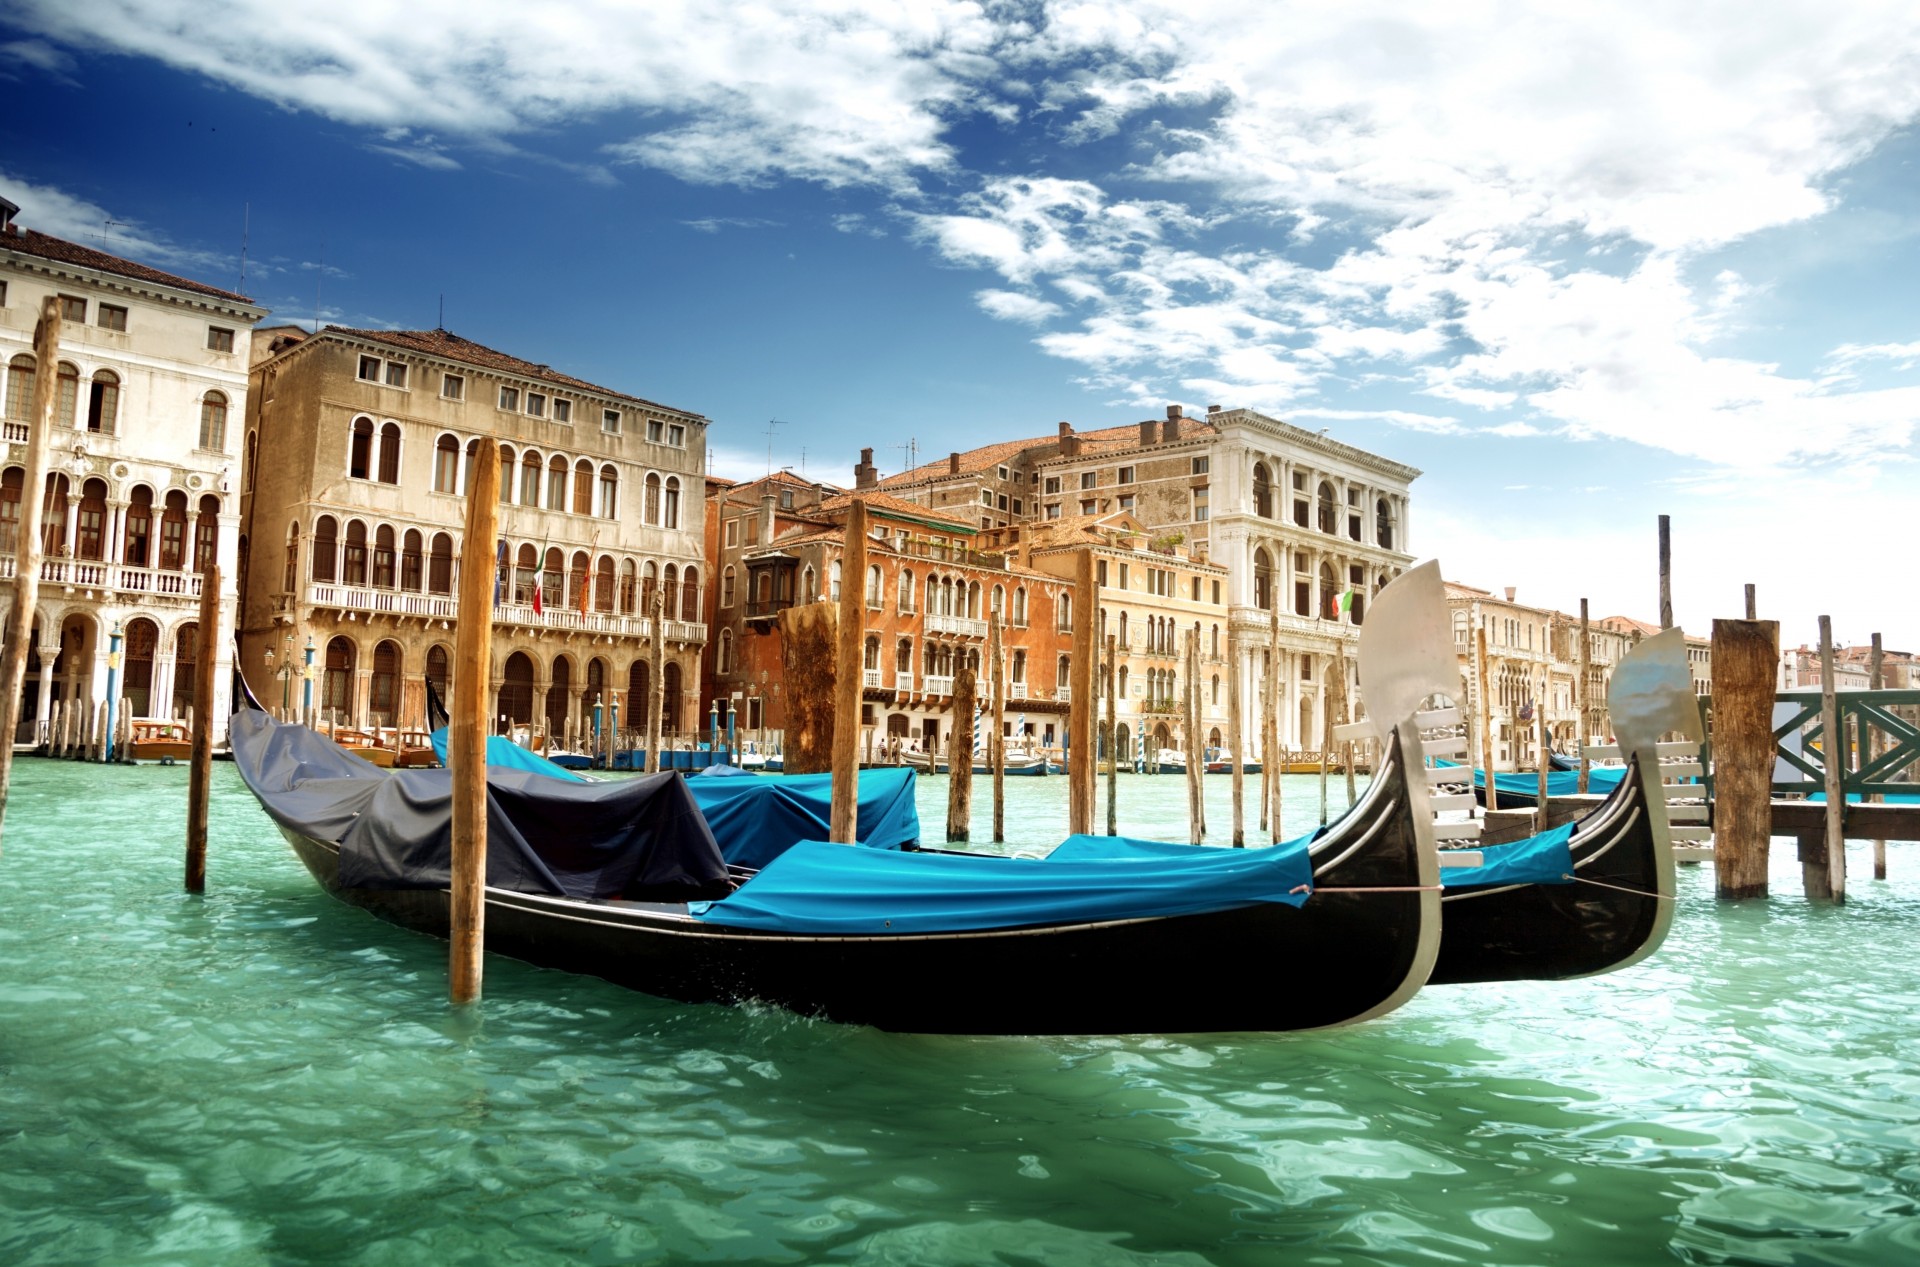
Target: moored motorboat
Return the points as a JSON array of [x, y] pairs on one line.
[[366, 746], [158, 741], [416, 752]]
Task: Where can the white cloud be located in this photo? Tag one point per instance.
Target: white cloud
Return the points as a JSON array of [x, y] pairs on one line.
[[1904, 355], [78, 219], [713, 224], [1009, 305]]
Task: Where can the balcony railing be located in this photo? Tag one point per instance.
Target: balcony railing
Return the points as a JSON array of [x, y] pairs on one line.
[[686, 631], [1018, 690], [1063, 693], [870, 677], [94, 574], [767, 609], [937, 685], [397, 602], [903, 679], [16, 432], [959, 626]]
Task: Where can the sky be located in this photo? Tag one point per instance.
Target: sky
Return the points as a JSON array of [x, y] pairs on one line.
[[1581, 268]]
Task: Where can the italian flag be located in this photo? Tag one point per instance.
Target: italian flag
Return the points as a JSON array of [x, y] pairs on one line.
[[1346, 600]]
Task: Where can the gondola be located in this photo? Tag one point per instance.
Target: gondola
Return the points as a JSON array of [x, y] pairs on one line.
[[1599, 894], [1521, 789], [898, 940]]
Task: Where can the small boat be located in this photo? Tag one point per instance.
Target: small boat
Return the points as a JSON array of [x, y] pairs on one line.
[[1171, 761], [156, 741], [1221, 762], [367, 747], [1019, 763], [567, 759], [416, 751], [1521, 789]]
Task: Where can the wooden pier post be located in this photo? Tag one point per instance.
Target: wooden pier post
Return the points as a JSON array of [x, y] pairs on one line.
[[996, 741], [1080, 703], [1746, 659], [468, 726], [1540, 718], [1876, 661], [960, 758], [1273, 766], [200, 776], [1346, 715], [1326, 740], [1666, 572], [1586, 702], [656, 673], [27, 543], [1486, 718], [1112, 731], [844, 810], [1196, 748], [1751, 612], [1236, 751], [1833, 761]]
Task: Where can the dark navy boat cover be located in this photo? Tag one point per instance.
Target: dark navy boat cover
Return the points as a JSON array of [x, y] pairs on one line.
[[1543, 859], [821, 888], [636, 838], [756, 819]]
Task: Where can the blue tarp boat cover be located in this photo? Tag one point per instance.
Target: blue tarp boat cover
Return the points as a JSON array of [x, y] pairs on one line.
[[821, 888], [1600, 779], [636, 838], [504, 754], [1543, 859], [756, 819]]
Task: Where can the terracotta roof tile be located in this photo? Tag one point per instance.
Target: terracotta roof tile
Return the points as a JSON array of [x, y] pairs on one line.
[[445, 343], [877, 500], [33, 242], [1101, 440]]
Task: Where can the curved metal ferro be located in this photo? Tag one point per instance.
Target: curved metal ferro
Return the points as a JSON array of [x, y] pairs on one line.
[[1651, 694], [1406, 648]]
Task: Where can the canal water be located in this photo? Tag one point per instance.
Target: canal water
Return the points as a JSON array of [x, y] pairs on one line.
[[265, 1076]]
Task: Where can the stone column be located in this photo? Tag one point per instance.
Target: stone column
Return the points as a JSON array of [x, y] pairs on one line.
[[362, 697], [43, 708]]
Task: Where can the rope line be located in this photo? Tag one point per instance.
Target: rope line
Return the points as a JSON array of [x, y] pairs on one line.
[[1409, 888], [1621, 888]]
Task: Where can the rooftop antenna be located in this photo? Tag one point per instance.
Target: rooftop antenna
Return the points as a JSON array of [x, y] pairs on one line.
[[105, 236], [442, 327], [912, 451], [803, 461], [771, 424]]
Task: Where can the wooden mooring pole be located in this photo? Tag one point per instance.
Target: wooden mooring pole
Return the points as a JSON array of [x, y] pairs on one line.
[[1666, 572], [844, 808], [1584, 696], [27, 544], [1540, 804], [1833, 763], [468, 726], [200, 775], [1273, 764], [1346, 715], [1080, 703], [996, 741], [1746, 659], [1876, 666], [960, 757], [1112, 732], [1486, 718], [656, 675], [1196, 747], [1752, 612], [1236, 750]]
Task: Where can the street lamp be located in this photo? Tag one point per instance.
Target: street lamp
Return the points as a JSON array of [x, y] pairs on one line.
[[113, 674], [285, 673]]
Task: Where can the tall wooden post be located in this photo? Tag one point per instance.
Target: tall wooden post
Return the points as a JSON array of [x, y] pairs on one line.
[[1272, 768], [1236, 750], [1746, 660], [1584, 695], [1540, 804], [996, 741], [1196, 748], [1666, 572], [656, 673], [844, 810], [1080, 703], [27, 545], [200, 773], [1113, 730], [960, 758], [1326, 739], [1751, 614], [468, 726], [1876, 660], [1486, 716], [1833, 760], [1346, 715]]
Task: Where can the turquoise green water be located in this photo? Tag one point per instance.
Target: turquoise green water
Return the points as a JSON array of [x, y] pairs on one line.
[[264, 1075]]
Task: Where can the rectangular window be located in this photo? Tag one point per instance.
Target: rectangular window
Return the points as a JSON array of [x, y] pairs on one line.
[[562, 410], [1053, 510], [610, 421], [1199, 505], [677, 436], [453, 387], [1089, 479], [219, 339], [397, 374], [1086, 508], [3, 294], [1052, 485], [369, 369], [1200, 465], [1099, 571], [112, 317], [536, 405], [510, 399], [1126, 501], [73, 308], [733, 533], [1002, 501], [986, 497], [1216, 593], [1003, 472], [656, 431], [1016, 506], [1125, 476], [1123, 576]]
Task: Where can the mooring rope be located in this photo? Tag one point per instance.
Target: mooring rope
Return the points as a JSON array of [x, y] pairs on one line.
[[1408, 888], [1621, 888]]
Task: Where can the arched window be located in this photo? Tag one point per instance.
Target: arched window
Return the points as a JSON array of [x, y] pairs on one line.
[[690, 594], [530, 479], [11, 482], [437, 669], [629, 586], [583, 487], [1329, 594], [670, 593], [553, 577], [90, 533], [136, 548], [649, 587], [1216, 689], [186, 658], [723, 661], [526, 573], [173, 532], [672, 515], [833, 586], [206, 533], [67, 397], [389, 453], [213, 421], [103, 402], [1262, 580], [577, 581], [383, 560], [1020, 607], [870, 653], [997, 604], [609, 492], [876, 586], [1120, 688], [411, 571], [556, 482], [1064, 610], [1262, 491], [726, 587], [440, 565], [336, 684], [20, 379], [1123, 631], [1062, 675], [903, 656], [1329, 512], [360, 450], [906, 590], [1383, 524], [353, 558], [466, 469], [651, 509], [446, 465], [507, 463], [603, 584], [383, 690]]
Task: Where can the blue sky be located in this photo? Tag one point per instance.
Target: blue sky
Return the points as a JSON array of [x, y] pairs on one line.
[[1582, 270]]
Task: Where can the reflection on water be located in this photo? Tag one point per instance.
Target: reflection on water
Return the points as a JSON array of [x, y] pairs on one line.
[[265, 1076]]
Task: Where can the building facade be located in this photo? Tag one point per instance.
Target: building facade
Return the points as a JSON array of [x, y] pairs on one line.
[[141, 495], [359, 453]]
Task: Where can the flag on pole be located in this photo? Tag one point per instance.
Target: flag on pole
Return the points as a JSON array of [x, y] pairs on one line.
[[499, 568], [537, 609], [1346, 600]]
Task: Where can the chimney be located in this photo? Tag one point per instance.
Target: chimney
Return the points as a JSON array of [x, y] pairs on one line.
[[1146, 433], [8, 210], [1213, 409], [766, 519], [1170, 429], [1509, 593], [864, 476], [953, 463]]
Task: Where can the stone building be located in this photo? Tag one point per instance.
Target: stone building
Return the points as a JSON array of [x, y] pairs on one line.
[[359, 452], [152, 382]]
